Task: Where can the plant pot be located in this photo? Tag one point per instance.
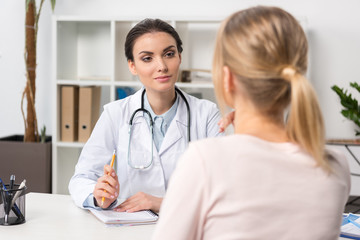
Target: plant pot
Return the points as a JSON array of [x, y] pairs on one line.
[[26, 160]]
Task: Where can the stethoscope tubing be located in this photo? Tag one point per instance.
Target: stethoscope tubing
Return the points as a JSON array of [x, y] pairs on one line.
[[142, 109]]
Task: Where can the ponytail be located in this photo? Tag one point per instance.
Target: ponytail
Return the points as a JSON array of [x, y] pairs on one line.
[[267, 50], [305, 124]]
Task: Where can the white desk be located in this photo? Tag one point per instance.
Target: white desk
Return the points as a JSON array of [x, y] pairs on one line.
[[53, 216]]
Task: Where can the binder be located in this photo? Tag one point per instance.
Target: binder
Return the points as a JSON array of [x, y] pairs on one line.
[[89, 107], [69, 113]]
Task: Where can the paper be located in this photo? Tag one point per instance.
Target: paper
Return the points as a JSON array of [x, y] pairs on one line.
[[350, 226], [135, 218]]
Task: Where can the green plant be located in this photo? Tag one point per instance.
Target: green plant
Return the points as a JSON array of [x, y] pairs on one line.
[[351, 109], [43, 135], [31, 28]]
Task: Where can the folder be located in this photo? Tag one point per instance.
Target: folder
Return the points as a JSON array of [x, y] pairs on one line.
[[89, 107], [69, 113]]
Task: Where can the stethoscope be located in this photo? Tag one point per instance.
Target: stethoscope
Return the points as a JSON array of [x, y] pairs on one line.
[[151, 125]]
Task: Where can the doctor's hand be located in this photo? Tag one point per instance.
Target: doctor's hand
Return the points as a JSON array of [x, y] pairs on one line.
[[140, 201], [226, 121], [108, 182]]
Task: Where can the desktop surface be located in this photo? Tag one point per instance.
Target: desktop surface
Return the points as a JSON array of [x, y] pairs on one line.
[[54, 216]]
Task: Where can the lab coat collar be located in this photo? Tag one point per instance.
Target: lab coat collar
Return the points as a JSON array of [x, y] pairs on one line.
[[134, 103], [178, 126]]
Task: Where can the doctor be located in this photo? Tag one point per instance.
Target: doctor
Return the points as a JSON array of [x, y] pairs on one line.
[[144, 161]]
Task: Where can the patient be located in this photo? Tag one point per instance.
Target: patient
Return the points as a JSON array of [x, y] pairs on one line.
[[272, 179]]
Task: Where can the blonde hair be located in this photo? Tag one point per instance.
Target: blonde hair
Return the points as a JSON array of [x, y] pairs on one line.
[[266, 48]]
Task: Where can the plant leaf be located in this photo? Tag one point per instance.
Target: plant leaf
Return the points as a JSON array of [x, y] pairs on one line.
[[351, 115], [346, 99], [351, 108], [53, 2], [355, 85]]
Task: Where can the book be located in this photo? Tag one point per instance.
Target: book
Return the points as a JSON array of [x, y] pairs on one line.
[[135, 218], [350, 226], [123, 92]]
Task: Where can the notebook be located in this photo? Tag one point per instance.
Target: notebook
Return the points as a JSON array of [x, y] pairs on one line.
[[135, 218], [350, 226]]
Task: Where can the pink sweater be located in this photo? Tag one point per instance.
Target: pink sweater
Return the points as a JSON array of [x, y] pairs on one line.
[[242, 187]]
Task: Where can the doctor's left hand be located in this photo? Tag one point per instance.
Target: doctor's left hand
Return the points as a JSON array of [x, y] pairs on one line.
[[140, 201]]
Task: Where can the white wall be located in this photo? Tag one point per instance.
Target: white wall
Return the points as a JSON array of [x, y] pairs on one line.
[[334, 37]]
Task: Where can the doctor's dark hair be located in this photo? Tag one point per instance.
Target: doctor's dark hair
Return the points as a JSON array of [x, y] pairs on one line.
[[149, 25], [266, 49]]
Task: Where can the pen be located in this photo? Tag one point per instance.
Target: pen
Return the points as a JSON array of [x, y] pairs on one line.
[[111, 165], [18, 192], [12, 180], [15, 208]]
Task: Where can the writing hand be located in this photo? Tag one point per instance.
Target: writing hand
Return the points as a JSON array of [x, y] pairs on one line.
[[140, 201], [107, 186], [226, 121]]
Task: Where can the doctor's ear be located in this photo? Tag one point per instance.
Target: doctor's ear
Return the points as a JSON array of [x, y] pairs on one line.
[[132, 67]]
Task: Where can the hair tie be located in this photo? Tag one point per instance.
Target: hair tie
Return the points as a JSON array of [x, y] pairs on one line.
[[288, 73]]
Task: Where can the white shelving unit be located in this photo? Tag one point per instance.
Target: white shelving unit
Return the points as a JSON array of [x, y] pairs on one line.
[[91, 52]]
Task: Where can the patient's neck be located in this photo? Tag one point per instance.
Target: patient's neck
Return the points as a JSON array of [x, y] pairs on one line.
[[255, 124]]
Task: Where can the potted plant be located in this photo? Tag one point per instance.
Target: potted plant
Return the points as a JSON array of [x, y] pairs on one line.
[[29, 156], [351, 108], [351, 111]]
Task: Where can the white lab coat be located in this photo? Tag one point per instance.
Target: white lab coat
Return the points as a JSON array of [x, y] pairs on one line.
[[111, 132]]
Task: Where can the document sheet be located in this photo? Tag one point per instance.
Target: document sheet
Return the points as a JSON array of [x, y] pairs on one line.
[[114, 217]]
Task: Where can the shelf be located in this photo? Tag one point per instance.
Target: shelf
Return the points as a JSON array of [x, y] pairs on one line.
[[83, 49], [195, 85], [128, 83], [83, 82], [90, 52], [70, 144]]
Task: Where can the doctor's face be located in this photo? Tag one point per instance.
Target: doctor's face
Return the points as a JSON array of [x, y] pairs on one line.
[[156, 61]]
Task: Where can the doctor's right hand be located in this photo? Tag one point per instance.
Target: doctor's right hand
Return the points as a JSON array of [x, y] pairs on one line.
[[226, 121], [107, 186]]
